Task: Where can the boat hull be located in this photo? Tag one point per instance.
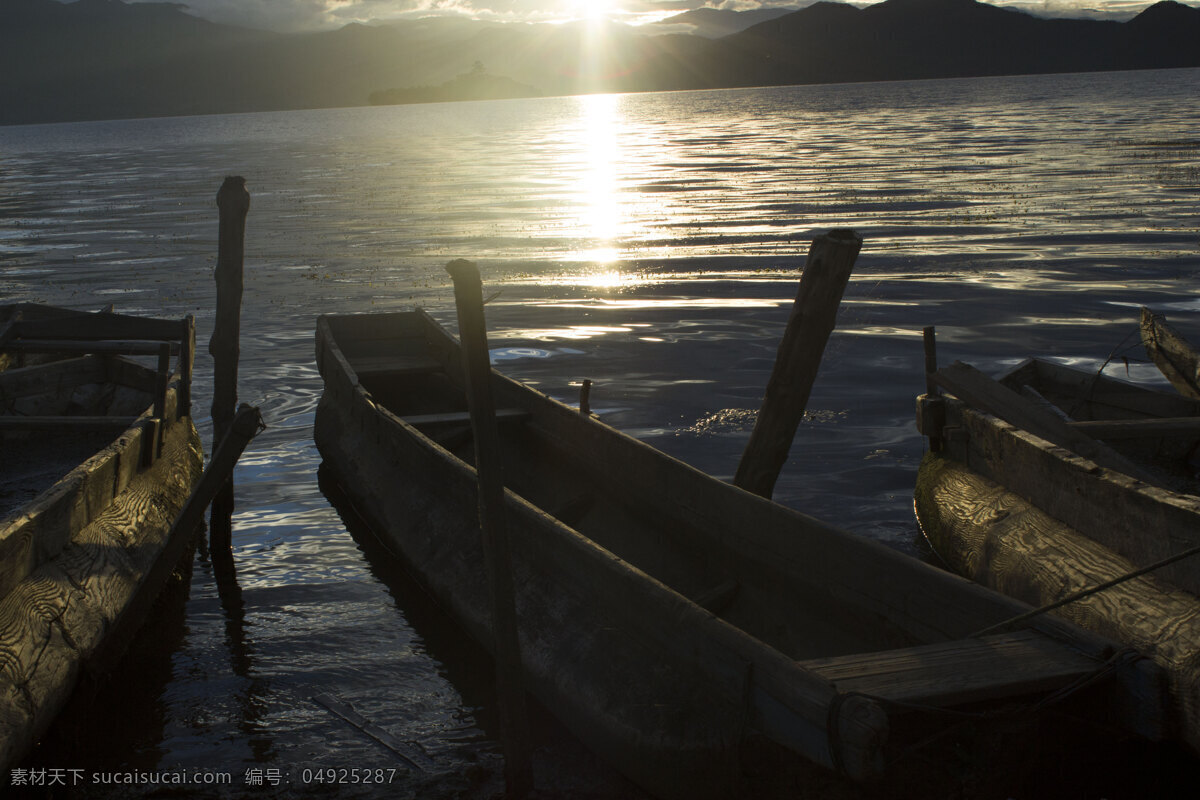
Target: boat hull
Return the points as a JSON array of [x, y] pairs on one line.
[[998, 539], [588, 622], [682, 628], [577, 654], [82, 562], [1035, 520]]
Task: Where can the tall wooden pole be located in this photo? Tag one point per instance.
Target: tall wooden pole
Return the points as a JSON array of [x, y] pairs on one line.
[[830, 261], [233, 201], [514, 722], [931, 409]]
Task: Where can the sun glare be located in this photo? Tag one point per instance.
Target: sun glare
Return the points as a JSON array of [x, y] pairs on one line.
[[594, 10], [599, 189]]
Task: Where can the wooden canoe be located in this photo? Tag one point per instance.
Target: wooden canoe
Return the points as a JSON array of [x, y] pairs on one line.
[[672, 621], [99, 456], [1171, 353], [1049, 480]]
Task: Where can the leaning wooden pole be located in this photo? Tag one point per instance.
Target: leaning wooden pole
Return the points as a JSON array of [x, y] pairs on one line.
[[244, 426], [1175, 358], [830, 261], [514, 722], [233, 201]]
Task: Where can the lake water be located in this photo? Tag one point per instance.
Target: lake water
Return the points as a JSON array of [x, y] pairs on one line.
[[650, 243]]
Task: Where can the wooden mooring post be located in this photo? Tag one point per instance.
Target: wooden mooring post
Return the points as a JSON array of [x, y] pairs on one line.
[[514, 721], [931, 410], [826, 273], [233, 202]]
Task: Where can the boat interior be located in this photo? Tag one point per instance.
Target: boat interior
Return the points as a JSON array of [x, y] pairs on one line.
[[801, 586], [1158, 429], [55, 413]]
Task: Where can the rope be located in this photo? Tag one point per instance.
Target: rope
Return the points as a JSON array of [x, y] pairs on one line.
[[929, 541], [1122, 347], [1071, 598], [1118, 659]]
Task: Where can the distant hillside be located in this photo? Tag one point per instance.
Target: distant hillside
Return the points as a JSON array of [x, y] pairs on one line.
[[97, 59], [830, 42], [713, 23], [910, 39], [477, 84]]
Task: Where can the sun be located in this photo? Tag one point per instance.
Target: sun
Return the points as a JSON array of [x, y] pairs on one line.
[[594, 10]]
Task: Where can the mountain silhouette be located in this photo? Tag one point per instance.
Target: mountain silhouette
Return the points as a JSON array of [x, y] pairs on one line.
[[96, 59], [913, 39], [713, 23]]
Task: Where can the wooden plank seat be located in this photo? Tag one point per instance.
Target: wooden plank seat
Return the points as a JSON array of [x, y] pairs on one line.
[[957, 672], [1138, 428], [464, 418], [52, 377], [85, 325], [131, 347], [377, 366]]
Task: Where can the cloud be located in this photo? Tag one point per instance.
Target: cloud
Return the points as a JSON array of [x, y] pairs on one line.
[[297, 15], [1102, 9], [306, 15], [280, 15]]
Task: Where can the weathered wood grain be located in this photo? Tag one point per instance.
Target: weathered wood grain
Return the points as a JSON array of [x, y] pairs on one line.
[[372, 366], [814, 313], [53, 621], [963, 671], [1171, 353], [233, 203], [651, 680], [81, 563], [187, 359], [1145, 523], [459, 417], [1138, 428], [1093, 395], [129, 347], [493, 523], [81, 325], [54, 378], [993, 536], [980, 391], [131, 374]]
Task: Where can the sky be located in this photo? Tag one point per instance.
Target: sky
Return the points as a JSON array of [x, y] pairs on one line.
[[296, 15]]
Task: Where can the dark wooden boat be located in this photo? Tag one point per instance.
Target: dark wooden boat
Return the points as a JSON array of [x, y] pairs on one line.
[[677, 624], [1049, 481], [99, 456], [1171, 353]]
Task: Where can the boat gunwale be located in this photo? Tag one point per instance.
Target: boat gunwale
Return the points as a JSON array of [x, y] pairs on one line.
[[83, 560], [83, 492], [342, 371], [1097, 501], [864, 548], [1043, 369], [784, 691]]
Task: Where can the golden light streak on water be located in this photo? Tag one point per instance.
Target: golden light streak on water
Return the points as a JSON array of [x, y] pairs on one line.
[[599, 192]]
